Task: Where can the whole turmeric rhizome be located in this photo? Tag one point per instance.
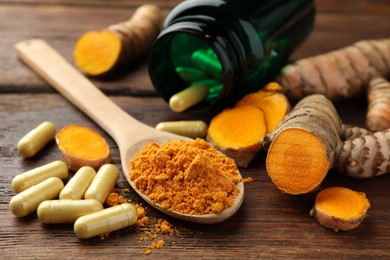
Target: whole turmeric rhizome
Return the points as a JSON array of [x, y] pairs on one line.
[[187, 177]]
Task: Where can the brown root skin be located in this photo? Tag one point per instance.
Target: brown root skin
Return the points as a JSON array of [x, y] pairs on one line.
[[302, 152], [340, 208], [238, 132], [242, 157], [336, 224], [378, 114], [349, 132], [365, 156], [81, 146], [98, 53], [340, 74]]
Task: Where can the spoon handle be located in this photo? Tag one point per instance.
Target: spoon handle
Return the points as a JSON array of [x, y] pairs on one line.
[[80, 91]]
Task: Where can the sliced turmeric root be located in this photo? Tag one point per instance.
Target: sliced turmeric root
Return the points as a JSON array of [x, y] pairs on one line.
[[81, 146], [340, 208], [297, 162], [271, 101], [99, 52], [302, 152], [238, 133]]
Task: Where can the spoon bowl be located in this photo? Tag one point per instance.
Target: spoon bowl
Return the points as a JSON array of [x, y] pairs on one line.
[[129, 134]]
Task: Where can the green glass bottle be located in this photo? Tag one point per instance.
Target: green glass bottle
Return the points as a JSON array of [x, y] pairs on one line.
[[233, 47]]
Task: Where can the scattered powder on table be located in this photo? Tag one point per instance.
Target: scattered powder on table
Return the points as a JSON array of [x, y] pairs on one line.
[[187, 177], [155, 245], [247, 180], [114, 199], [150, 231]]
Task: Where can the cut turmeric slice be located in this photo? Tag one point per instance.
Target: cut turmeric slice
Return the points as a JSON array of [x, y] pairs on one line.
[[271, 101], [99, 52], [81, 146], [297, 161], [238, 132], [301, 153], [340, 208]]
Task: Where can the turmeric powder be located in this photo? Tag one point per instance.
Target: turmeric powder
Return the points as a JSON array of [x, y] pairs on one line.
[[340, 208], [99, 52], [114, 199], [187, 177], [81, 146]]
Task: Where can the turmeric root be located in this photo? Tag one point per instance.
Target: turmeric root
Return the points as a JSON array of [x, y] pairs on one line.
[[378, 115], [340, 208], [338, 74], [238, 132], [271, 101], [301, 152], [349, 132], [343, 74], [365, 156], [81, 146], [239, 135], [99, 52]]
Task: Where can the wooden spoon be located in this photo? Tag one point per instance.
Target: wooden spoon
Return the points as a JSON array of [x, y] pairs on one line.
[[129, 134]]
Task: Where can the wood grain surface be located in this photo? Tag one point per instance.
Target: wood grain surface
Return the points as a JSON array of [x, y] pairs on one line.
[[269, 224]]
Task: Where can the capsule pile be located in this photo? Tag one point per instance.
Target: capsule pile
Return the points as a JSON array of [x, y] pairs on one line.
[[204, 79], [80, 201]]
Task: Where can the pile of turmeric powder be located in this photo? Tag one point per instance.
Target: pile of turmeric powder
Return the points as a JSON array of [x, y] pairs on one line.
[[187, 177]]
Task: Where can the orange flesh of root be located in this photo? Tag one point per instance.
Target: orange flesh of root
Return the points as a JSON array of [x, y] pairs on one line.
[[237, 128], [275, 107], [297, 161], [97, 52], [271, 101], [83, 143], [342, 203]]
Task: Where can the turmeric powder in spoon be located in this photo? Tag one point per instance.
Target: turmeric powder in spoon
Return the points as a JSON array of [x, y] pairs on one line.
[[187, 177]]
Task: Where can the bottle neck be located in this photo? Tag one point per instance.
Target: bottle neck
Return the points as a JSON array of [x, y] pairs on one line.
[[180, 43]]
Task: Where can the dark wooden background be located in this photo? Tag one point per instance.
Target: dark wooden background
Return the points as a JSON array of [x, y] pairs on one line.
[[269, 224]]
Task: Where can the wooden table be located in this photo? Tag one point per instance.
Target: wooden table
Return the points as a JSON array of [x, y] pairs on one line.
[[269, 224]]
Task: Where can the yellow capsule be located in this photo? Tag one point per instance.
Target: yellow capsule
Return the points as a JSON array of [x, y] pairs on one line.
[[28, 200], [66, 211], [78, 184], [188, 97], [36, 139], [103, 183], [27, 179], [192, 129], [105, 221]]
